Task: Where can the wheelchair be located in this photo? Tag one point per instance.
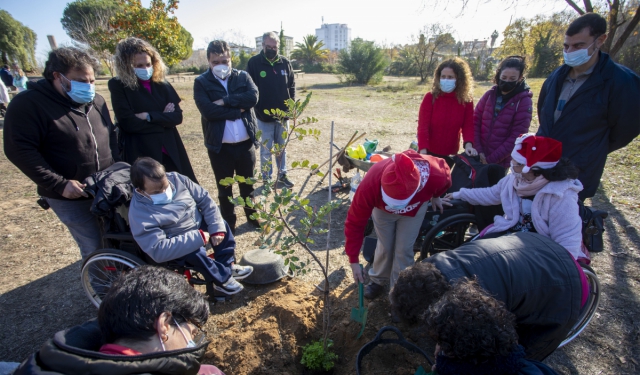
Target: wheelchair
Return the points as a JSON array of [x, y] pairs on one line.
[[121, 254]]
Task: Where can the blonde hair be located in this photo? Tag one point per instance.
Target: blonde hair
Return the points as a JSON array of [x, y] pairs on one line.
[[123, 61], [464, 79]]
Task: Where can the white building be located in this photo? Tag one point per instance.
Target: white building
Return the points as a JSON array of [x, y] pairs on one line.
[[335, 36], [288, 45]]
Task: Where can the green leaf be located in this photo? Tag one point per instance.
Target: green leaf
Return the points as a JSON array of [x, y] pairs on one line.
[[320, 174], [305, 163], [295, 164], [250, 204], [314, 166], [239, 178]]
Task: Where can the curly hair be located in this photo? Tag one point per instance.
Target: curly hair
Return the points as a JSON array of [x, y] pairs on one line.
[[464, 79], [126, 50], [517, 62], [470, 325], [564, 170], [139, 296], [65, 59], [416, 289]]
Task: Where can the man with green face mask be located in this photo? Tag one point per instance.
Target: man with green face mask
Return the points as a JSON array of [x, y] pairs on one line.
[[273, 75], [590, 104]]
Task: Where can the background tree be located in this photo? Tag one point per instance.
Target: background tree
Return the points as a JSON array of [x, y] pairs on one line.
[[494, 36], [17, 42], [622, 19], [310, 51], [629, 54], [155, 24], [87, 22], [432, 40], [363, 63], [283, 42]]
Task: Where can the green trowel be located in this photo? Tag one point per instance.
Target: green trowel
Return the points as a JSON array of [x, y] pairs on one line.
[[359, 314]]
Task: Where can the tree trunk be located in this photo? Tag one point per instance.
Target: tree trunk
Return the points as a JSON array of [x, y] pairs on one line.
[[614, 8], [631, 25]]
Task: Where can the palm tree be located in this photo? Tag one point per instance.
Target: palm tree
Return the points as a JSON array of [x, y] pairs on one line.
[[310, 52]]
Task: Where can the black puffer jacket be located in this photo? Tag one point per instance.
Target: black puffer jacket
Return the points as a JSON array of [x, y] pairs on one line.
[[243, 94], [110, 188], [75, 352], [52, 141], [536, 278]]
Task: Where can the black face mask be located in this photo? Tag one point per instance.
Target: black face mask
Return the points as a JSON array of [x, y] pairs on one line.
[[507, 86], [271, 54]]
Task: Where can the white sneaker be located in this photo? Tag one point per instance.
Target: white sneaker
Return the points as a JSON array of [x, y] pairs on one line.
[[240, 272], [230, 287]]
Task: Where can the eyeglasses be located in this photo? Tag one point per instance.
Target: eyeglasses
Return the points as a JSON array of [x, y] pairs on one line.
[[271, 48], [199, 336]]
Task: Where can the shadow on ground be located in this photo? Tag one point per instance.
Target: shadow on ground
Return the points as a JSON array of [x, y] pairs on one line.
[[59, 291]]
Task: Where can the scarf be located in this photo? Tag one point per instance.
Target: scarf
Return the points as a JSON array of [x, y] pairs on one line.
[[526, 188], [497, 365]]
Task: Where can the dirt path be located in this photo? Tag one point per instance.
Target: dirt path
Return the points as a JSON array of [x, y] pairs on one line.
[[262, 330]]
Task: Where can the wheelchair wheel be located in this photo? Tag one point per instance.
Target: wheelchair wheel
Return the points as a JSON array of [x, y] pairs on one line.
[[590, 307], [102, 268], [447, 234]]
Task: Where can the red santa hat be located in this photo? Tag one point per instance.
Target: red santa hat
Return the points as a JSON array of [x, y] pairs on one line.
[[400, 180], [536, 151]]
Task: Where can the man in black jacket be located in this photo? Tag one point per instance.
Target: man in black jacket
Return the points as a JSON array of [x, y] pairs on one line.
[[225, 98], [58, 133], [274, 77], [537, 279], [590, 104]]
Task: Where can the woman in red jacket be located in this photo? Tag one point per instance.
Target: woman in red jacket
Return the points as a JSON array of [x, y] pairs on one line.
[[503, 113], [447, 111]]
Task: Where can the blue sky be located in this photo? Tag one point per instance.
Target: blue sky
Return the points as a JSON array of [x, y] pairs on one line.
[[389, 22]]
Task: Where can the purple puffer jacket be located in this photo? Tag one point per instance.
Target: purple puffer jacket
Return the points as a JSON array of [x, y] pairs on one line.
[[495, 136]]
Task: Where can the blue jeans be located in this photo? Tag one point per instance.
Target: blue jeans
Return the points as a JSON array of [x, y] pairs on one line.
[[217, 270], [82, 224], [272, 132]]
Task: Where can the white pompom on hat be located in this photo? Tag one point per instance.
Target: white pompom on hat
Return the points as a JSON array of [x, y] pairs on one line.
[[536, 151], [400, 180]]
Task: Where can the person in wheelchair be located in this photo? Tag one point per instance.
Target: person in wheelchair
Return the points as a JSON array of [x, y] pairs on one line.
[[475, 334], [166, 213], [540, 195], [150, 322], [536, 278]]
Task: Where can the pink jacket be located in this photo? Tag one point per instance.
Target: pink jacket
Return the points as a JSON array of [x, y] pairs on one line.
[[554, 210], [495, 136]]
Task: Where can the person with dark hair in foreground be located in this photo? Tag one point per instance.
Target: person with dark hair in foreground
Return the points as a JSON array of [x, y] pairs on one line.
[[537, 279], [166, 213], [591, 104], [150, 322], [475, 334], [541, 195], [58, 133]]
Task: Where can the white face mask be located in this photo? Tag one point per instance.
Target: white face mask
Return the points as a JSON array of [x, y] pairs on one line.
[[578, 57], [447, 85], [164, 197], [221, 71]]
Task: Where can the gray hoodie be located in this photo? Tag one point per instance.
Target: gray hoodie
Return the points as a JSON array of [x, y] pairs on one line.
[[170, 231]]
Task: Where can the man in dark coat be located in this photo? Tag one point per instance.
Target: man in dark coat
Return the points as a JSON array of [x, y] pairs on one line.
[[58, 133], [225, 98], [274, 77], [590, 104], [537, 279]]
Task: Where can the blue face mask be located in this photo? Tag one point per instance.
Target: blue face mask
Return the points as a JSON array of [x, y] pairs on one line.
[[80, 92], [144, 74], [578, 57], [447, 85], [163, 198], [190, 343]]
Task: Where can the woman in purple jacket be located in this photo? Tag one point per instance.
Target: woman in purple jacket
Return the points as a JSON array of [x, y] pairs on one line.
[[503, 113]]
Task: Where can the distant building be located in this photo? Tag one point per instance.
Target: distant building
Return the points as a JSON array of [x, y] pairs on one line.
[[236, 48], [473, 47], [335, 36], [288, 45]]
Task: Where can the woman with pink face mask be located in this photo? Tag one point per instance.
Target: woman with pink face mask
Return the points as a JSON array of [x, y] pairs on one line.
[[540, 195]]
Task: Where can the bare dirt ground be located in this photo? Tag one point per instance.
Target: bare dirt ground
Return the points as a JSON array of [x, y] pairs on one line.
[[262, 330]]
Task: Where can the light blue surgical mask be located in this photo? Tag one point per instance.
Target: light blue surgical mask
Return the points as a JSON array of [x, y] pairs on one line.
[[144, 74], [447, 85], [164, 197], [81, 92], [578, 57], [190, 343]]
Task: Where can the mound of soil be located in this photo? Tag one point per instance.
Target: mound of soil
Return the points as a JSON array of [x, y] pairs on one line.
[[263, 329], [393, 359]]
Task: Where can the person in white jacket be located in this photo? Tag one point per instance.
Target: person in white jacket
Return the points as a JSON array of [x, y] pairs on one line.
[[540, 195]]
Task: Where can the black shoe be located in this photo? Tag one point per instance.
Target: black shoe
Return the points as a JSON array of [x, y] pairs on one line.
[[284, 181], [253, 222], [373, 290]]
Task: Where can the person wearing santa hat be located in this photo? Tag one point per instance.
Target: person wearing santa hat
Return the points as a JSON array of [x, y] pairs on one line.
[[540, 195], [394, 193]]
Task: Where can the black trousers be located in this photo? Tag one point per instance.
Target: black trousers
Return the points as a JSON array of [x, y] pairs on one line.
[[233, 158]]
